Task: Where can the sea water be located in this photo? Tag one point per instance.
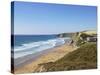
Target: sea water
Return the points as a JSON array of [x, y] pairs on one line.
[[30, 44]]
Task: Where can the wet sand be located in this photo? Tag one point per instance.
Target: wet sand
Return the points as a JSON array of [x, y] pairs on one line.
[[50, 55]]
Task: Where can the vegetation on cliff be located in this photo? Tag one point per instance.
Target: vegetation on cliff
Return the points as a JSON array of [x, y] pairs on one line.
[[84, 57]]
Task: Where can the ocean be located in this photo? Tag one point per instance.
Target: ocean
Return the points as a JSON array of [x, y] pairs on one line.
[[29, 44]]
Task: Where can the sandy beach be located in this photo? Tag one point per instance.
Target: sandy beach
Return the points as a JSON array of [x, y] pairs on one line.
[[50, 56]]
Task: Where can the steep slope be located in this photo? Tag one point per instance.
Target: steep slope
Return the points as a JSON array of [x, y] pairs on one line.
[[84, 57]]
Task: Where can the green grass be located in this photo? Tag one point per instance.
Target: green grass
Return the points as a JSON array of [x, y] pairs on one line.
[[84, 57]]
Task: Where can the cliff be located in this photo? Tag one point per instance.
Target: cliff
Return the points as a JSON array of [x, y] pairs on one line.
[[85, 57], [79, 38]]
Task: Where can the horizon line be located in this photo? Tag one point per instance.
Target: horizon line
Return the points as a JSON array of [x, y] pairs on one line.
[[54, 33]]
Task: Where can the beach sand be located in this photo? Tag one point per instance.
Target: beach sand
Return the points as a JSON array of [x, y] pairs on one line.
[[51, 56]]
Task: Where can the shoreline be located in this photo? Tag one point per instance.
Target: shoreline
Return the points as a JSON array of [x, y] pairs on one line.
[[21, 61], [50, 55]]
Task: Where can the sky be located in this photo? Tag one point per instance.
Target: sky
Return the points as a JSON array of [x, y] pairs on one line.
[[46, 18]]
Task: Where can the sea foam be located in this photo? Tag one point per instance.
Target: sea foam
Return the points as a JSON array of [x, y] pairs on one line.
[[34, 47]]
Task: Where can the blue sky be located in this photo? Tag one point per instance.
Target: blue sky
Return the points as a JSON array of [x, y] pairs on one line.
[[44, 18]]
